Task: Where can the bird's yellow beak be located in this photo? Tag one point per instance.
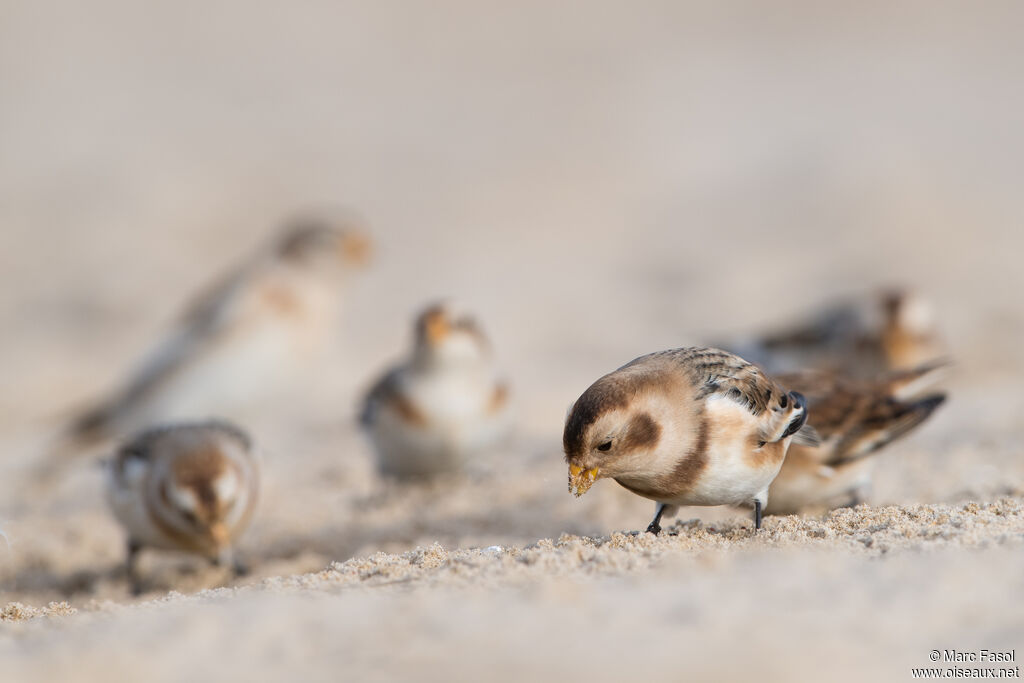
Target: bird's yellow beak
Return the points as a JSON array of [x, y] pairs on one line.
[[580, 480], [437, 329], [219, 534], [356, 248]]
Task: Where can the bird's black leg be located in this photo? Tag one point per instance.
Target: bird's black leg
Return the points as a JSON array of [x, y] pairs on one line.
[[131, 566], [228, 558], [239, 568], [858, 495], [757, 514], [853, 501], [655, 526]]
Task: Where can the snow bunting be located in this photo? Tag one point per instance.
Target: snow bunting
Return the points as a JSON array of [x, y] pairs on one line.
[[239, 339], [441, 406], [189, 487], [692, 426], [894, 330], [854, 419]]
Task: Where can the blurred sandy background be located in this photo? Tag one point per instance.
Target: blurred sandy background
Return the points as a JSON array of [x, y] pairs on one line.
[[597, 181]]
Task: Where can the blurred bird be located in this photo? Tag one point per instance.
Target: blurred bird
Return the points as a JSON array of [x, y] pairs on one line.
[[189, 487], [854, 419], [441, 406], [894, 330], [692, 426], [238, 339]]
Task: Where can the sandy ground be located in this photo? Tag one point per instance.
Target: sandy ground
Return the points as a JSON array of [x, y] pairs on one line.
[[862, 593], [598, 181]]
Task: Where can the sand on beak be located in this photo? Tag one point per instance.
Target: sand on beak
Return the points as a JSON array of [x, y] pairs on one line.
[[580, 480]]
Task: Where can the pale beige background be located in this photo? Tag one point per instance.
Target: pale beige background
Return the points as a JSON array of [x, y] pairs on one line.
[[598, 180]]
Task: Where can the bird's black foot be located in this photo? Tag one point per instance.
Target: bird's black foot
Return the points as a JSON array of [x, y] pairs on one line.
[[655, 526], [227, 558], [135, 583], [858, 496], [757, 514], [853, 501]]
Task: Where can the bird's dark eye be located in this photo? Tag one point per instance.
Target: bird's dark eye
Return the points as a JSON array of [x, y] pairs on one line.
[[606, 446], [784, 400]]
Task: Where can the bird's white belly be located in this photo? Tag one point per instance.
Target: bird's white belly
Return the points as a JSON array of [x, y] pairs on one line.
[[452, 399], [457, 424], [729, 479], [734, 474]]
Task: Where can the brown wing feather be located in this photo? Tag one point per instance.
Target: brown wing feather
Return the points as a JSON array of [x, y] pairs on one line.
[[388, 391], [885, 423], [834, 402], [856, 418], [719, 372]]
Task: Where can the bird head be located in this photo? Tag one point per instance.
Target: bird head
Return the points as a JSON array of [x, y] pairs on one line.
[[205, 493], [325, 242], [611, 431], [446, 335]]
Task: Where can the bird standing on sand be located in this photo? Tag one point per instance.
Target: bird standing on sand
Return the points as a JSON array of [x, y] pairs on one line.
[[441, 406], [893, 330], [691, 426], [854, 419], [234, 342], [189, 487]]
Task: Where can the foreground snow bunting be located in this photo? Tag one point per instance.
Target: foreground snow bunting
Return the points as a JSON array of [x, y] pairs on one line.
[[693, 426], [441, 406], [235, 341], [854, 419], [188, 487], [894, 330]]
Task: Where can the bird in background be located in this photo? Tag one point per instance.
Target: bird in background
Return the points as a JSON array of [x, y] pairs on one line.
[[190, 487], [891, 330], [854, 419], [443, 405], [691, 426], [238, 341]]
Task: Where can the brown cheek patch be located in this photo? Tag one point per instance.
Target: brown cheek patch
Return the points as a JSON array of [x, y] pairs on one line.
[[686, 472], [643, 434]]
